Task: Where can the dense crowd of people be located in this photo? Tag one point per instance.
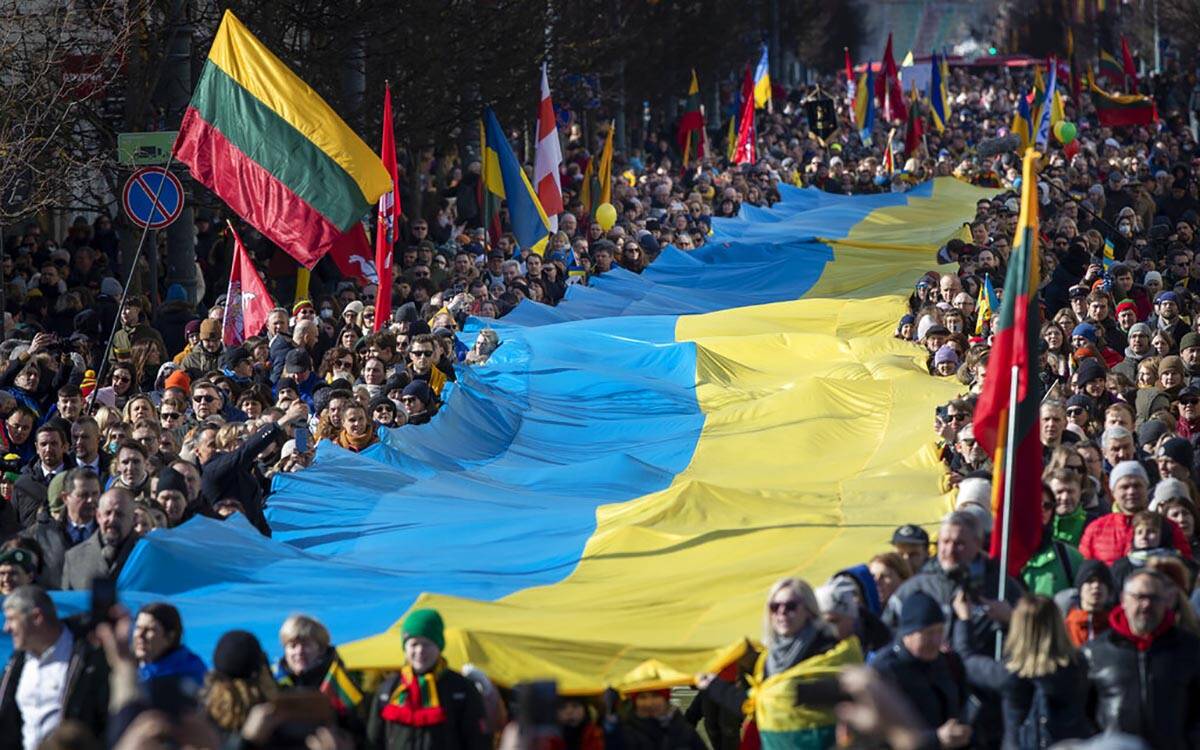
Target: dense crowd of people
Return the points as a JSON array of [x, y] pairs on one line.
[[101, 445]]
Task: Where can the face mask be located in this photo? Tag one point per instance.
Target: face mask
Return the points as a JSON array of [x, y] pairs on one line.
[[112, 447], [326, 312]]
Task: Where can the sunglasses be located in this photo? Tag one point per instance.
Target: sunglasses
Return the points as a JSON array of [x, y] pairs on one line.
[[421, 352], [345, 363], [1189, 401], [788, 606], [956, 417], [203, 398], [1075, 411], [171, 415]]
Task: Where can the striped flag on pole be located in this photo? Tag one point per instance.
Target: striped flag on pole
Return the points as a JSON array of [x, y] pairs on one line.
[[548, 159]]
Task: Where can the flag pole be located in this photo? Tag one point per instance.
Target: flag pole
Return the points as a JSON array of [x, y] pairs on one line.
[[1006, 522]]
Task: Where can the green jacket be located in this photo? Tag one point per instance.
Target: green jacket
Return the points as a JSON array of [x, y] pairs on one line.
[[1051, 569], [1069, 528]]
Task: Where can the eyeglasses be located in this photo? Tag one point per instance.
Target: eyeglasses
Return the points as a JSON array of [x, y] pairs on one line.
[[789, 606], [203, 398], [345, 364], [421, 352], [170, 415]]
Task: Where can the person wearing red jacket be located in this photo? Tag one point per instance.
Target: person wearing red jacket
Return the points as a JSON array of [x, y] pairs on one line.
[[1108, 538]]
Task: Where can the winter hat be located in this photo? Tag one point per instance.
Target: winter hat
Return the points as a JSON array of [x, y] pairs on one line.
[[192, 328], [355, 306], [1126, 305], [239, 655], [1093, 570], [231, 357], [924, 325], [1152, 276], [945, 354], [919, 611], [1169, 489], [169, 479], [1178, 450], [285, 382], [424, 623], [1150, 431], [1190, 339], [1126, 469], [297, 360], [839, 596], [178, 379], [110, 287], [378, 401], [1141, 328], [210, 328], [908, 319], [1081, 399], [1089, 370], [974, 491], [421, 390], [20, 557], [1167, 297], [1086, 330], [176, 293]]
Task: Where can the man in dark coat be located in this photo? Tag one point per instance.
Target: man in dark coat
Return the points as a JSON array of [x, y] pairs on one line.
[[1145, 670], [654, 724], [29, 493], [81, 492], [916, 665], [230, 474], [404, 714], [104, 553], [54, 674]]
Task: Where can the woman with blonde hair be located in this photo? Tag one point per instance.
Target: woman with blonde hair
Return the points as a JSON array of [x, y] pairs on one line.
[[799, 646], [1042, 681], [239, 681]]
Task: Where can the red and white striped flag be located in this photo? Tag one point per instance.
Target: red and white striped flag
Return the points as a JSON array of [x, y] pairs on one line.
[[388, 219], [548, 159], [247, 302]]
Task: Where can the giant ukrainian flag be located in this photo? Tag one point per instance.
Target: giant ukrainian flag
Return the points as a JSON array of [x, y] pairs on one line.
[[260, 138], [608, 499]]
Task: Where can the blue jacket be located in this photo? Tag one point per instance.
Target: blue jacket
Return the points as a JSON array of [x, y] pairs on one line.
[[181, 662]]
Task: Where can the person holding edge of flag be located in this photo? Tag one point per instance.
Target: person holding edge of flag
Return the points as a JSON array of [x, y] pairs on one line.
[[1006, 419]]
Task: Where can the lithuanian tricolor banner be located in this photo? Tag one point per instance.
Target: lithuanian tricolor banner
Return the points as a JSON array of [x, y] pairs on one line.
[[781, 724], [273, 150], [1015, 350], [1116, 110], [609, 498]]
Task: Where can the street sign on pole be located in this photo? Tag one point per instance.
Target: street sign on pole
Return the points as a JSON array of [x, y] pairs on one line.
[[153, 198], [145, 149]]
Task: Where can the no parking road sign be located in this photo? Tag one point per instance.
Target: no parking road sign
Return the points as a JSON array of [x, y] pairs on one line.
[[153, 198]]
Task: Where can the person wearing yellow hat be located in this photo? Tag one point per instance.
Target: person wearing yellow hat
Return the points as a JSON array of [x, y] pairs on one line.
[[426, 704]]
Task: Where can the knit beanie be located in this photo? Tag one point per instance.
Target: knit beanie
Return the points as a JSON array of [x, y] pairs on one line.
[[169, 479], [1086, 330], [1093, 569], [1150, 431], [1126, 469], [923, 325], [1141, 328], [974, 491], [424, 623], [178, 379], [1177, 449], [239, 655], [945, 354], [1169, 489], [919, 611]]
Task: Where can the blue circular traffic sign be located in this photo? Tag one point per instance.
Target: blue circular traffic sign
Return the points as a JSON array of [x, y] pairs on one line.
[[153, 198]]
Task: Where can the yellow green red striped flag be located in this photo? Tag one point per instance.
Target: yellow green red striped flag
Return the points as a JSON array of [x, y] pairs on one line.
[[270, 147]]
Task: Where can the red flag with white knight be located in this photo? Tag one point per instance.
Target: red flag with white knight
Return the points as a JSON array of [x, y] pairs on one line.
[[247, 302], [388, 219], [548, 160]]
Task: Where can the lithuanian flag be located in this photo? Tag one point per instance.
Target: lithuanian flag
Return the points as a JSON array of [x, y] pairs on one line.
[[1015, 354], [273, 150], [1111, 68], [1116, 110]]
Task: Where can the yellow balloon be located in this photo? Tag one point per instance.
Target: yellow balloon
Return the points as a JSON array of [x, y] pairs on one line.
[[606, 215]]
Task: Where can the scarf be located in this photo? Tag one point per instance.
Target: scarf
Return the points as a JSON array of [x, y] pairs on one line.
[[415, 699], [356, 444], [1120, 625], [788, 651]]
